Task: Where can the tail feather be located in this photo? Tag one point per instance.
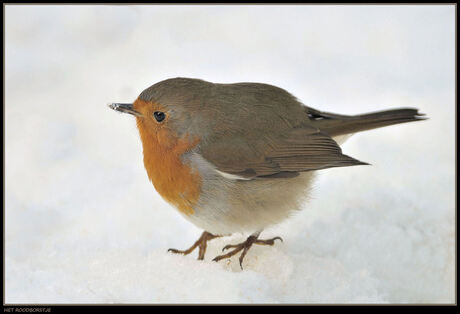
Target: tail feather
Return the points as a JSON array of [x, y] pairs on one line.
[[336, 124]]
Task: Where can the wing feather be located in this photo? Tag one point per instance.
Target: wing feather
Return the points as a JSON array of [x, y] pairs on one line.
[[299, 149]]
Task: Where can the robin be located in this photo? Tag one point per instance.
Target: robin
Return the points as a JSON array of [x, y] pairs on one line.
[[236, 158]]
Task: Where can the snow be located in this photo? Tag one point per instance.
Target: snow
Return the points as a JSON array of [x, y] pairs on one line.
[[84, 225]]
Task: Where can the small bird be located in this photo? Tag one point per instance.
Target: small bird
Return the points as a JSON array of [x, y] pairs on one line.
[[237, 158]]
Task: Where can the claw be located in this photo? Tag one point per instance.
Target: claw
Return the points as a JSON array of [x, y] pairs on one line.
[[229, 246], [245, 246], [201, 243]]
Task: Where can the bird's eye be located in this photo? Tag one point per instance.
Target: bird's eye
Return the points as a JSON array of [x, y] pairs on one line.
[[159, 116]]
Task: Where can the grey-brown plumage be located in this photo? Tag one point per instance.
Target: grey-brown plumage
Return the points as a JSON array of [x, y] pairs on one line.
[[258, 130], [335, 124]]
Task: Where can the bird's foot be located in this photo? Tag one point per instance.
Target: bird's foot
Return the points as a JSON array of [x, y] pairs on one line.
[[252, 239], [201, 243]]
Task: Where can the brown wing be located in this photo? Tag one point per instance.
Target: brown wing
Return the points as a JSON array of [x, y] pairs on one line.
[[296, 150]]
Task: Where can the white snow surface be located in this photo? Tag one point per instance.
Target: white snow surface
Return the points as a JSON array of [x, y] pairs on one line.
[[83, 224]]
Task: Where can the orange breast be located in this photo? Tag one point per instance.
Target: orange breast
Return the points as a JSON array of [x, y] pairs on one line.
[[176, 182]]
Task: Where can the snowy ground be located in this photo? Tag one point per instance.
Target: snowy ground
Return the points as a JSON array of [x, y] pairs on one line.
[[84, 225]]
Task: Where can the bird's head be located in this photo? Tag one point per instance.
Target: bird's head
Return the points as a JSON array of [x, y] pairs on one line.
[[171, 111]]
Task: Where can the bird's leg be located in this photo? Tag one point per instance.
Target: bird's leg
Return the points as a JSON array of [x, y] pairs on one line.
[[201, 243], [252, 239]]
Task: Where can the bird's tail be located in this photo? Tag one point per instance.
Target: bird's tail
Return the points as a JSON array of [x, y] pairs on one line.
[[336, 124]]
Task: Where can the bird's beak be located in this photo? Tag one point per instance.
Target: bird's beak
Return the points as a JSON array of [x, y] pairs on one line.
[[126, 108]]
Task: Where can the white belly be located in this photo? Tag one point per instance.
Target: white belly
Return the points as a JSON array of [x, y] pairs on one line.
[[227, 205]]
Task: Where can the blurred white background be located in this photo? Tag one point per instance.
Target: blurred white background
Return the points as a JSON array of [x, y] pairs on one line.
[[83, 224]]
